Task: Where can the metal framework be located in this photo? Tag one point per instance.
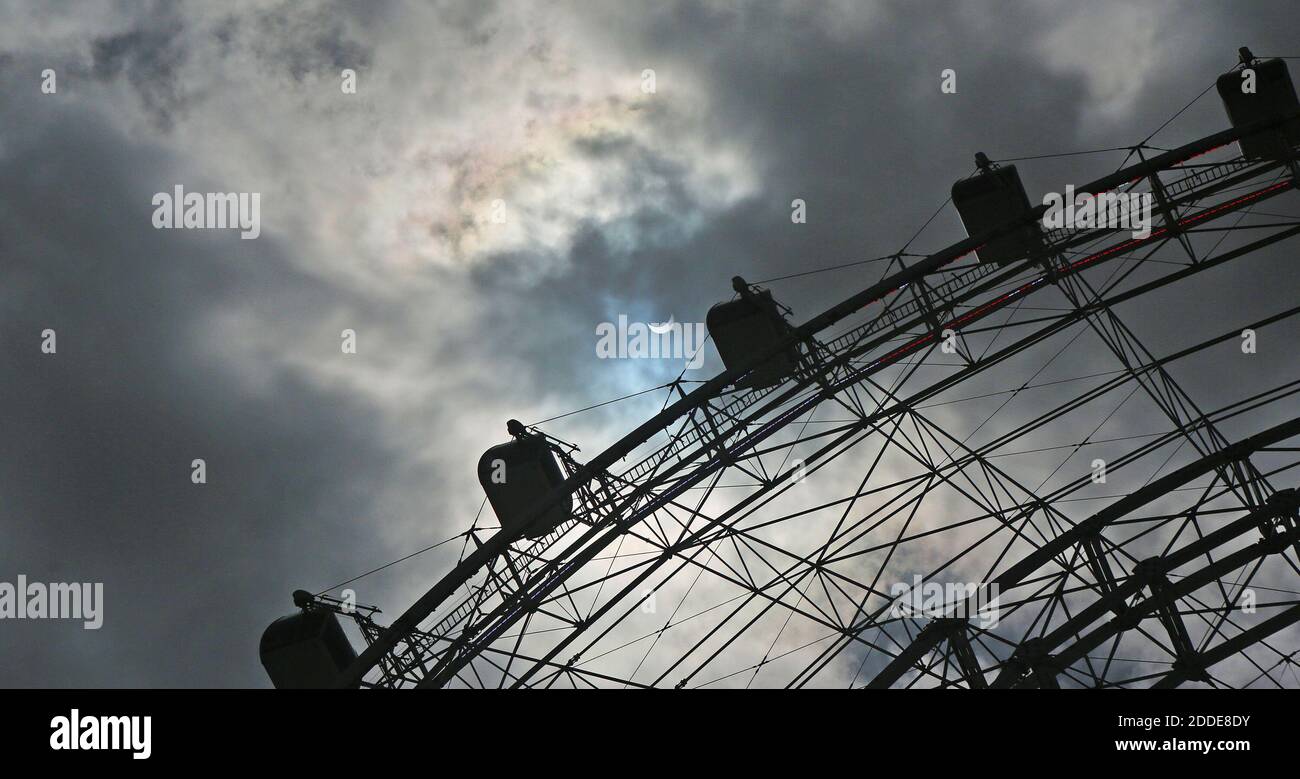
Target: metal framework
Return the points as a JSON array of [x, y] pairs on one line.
[[718, 543]]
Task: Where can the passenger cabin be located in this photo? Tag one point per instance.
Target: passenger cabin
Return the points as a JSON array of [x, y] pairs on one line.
[[307, 650], [991, 198], [1274, 95], [517, 476], [745, 328]]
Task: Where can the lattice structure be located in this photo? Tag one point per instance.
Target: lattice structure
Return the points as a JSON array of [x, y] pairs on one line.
[[800, 525]]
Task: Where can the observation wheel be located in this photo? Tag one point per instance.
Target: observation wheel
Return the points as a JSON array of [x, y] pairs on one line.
[[937, 490]]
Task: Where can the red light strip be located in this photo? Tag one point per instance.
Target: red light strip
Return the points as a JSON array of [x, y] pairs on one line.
[[987, 308]]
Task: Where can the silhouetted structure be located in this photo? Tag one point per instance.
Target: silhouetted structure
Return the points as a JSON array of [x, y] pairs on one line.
[[746, 328], [991, 198], [670, 497], [1273, 96], [516, 476]]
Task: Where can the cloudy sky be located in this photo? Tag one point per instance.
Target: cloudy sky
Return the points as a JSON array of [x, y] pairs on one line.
[[377, 214]]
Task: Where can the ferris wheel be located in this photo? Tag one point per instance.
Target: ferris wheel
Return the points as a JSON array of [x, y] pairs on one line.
[[923, 486]]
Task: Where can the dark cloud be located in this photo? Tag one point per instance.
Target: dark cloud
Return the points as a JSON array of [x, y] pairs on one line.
[[95, 460], [148, 60], [309, 44]]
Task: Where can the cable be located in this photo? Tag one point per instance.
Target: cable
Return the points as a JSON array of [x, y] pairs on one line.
[[1063, 154], [1143, 144], [606, 403], [1175, 116], [895, 256], [832, 267], [903, 251], [395, 562]]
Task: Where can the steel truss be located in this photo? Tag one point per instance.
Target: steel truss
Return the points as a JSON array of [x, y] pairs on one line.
[[717, 491]]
